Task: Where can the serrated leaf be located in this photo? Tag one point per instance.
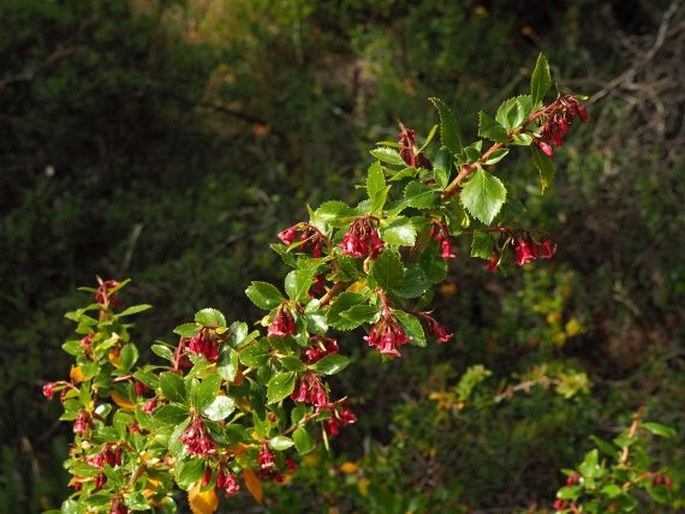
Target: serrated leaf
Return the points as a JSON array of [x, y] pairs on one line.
[[256, 354], [343, 302], [171, 414], [203, 502], [387, 269], [513, 112], [355, 316], [253, 484], [433, 268], [419, 195], [206, 391], [414, 283], [172, 387], [483, 196], [303, 441], [280, 386], [489, 128], [331, 364], [388, 156], [280, 443], [190, 472], [442, 167], [227, 366], [429, 138], [540, 80], [450, 133], [128, 356], [134, 309], [376, 188], [334, 213], [220, 408], [264, 295], [482, 245], [210, 318], [297, 283], [412, 327], [188, 329], [545, 166], [400, 232]]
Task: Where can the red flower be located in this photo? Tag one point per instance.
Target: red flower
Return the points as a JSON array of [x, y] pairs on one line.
[[436, 329], [440, 234], [408, 153], [150, 405], [387, 335], [491, 266], [103, 293], [338, 419], [283, 324], [311, 391], [549, 248], [321, 347], [559, 505], [118, 507], [196, 439], [310, 238], [204, 344], [362, 239], [87, 341], [49, 390], [525, 252], [226, 480], [83, 422], [266, 458]]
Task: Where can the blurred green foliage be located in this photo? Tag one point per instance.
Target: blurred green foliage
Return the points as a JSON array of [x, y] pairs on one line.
[[170, 140]]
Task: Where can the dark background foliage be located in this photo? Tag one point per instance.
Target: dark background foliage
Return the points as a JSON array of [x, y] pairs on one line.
[[169, 141]]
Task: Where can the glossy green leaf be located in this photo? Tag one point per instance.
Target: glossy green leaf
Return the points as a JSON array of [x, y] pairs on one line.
[[496, 156], [483, 196], [412, 327], [388, 156], [134, 309], [450, 133], [419, 195], [171, 414], [334, 213], [489, 128], [219, 408], [400, 232], [545, 166], [281, 443], [128, 357], [331, 364], [387, 269], [280, 386], [206, 391], [356, 316], [482, 245], [210, 318], [297, 283], [303, 441], [376, 188], [264, 295], [659, 429], [540, 80], [255, 354], [172, 387], [414, 283], [343, 302], [513, 112], [187, 329]]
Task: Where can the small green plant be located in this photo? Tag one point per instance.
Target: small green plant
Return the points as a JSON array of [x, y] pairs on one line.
[[230, 405]]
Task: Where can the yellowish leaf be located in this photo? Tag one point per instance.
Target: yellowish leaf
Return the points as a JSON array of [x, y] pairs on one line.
[[202, 502], [76, 375], [349, 467], [253, 484], [122, 402], [357, 287]]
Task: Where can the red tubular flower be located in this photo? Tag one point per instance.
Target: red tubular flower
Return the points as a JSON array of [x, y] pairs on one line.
[[266, 458], [321, 346], [525, 252], [407, 138], [100, 480], [387, 335], [118, 507], [226, 481], [310, 238], [49, 390], [440, 234], [102, 295], [205, 344], [196, 439], [362, 239], [150, 405], [339, 419], [549, 248], [82, 422], [437, 329], [546, 148], [311, 391], [559, 505], [283, 324], [491, 266], [86, 341]]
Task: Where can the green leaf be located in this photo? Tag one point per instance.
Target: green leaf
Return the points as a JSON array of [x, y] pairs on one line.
[[483, 196], [400, 232], [210, 318], [513, 112], [442, 167], [297, 283], [281, 443], [659, 429], [280, 386], [387, 269], [206, 391], [292, 363], [419, 195], [388, 156], [545, 166], [220, 408], [376, 187], [171, 414], [334, 213], [482, 245], [303, 441], [172, 387], [540, 80], [450, 134], [187, 329], [435, 269], [605, 447], [331, 364], [473, 151], [343, 302], [355, 316], [256, 354], [189, 472], [237, 333], [264, 295], [491, 129], [414, 284], [128, 356], [590, 468], [496, 156], [227, 366], [611, 490], [134, 309], [412, 326]]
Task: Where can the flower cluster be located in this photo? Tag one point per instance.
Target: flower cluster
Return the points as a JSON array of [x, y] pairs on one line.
[[440, 234], [527, 249], [387, 335], [362, 239], [226, 481], [408, 152], [321, 346], [205, 343], [308, 237], [556, 123], [196, 439], [283, 323], [311, 391], [340, 416]]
